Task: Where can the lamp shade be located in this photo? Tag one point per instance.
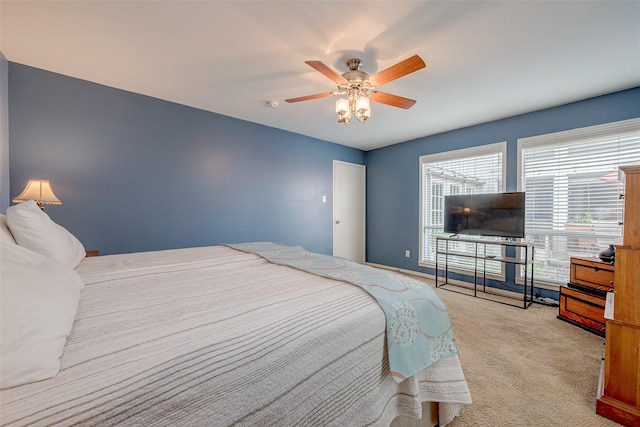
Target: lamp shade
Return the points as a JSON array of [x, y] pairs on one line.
[[342, 107], [40, 191], [363, 112]]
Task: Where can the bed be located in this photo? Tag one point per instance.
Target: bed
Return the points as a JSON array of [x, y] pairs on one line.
[[221, 336]]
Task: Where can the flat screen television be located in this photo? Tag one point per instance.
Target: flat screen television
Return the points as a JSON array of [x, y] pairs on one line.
[[489, 214]]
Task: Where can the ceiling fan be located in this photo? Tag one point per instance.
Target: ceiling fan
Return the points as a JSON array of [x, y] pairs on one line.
[[359, 87]]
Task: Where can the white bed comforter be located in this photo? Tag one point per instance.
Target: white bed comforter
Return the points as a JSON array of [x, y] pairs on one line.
[[214, 336]]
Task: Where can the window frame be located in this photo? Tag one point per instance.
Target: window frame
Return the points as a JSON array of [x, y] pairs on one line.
[[608, 130], [475, 151]]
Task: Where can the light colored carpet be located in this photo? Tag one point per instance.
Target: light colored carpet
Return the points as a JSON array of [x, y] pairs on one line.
[[525, 367]]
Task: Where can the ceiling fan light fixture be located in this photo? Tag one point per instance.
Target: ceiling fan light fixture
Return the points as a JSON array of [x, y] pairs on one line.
[[342, 106], [363, 112], [356, 105], [344, 111]]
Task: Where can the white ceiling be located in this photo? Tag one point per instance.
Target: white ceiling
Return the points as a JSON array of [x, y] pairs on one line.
[[485, 60]]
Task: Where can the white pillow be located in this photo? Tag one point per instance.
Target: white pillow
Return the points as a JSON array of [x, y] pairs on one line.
[[38, 306], [33, 229], [5, 234]]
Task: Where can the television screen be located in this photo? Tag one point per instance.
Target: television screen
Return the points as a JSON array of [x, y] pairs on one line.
[[490, 214]]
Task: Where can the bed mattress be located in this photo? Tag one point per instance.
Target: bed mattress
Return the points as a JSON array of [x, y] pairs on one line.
[[216, 336]]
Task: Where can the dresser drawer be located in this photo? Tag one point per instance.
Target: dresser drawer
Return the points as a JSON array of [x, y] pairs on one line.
[[592, 273], [582, 309]]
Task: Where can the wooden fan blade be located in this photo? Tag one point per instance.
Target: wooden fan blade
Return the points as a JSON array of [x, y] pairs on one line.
[[319, 66], [308, 97], [402, 68], [393, 100]]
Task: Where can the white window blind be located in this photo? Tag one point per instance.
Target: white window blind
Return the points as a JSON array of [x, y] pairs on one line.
[[469, 171], [572, 192]]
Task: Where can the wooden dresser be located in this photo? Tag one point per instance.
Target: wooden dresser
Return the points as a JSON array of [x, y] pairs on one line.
[[620, 400], [582, 301]]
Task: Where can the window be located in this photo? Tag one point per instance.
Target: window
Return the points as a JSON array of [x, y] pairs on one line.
[[469, 171], [572, 191]]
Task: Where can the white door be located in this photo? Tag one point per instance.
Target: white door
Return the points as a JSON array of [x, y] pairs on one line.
[[349, 210]]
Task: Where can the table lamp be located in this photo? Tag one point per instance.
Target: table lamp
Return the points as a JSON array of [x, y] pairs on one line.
[[40, 191]]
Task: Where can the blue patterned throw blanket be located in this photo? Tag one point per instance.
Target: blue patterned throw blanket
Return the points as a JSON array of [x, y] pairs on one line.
[[418, 325]]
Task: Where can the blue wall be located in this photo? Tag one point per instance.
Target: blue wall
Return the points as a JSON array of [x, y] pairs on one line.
[[136, 173], [393, 172], [4, 133]]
